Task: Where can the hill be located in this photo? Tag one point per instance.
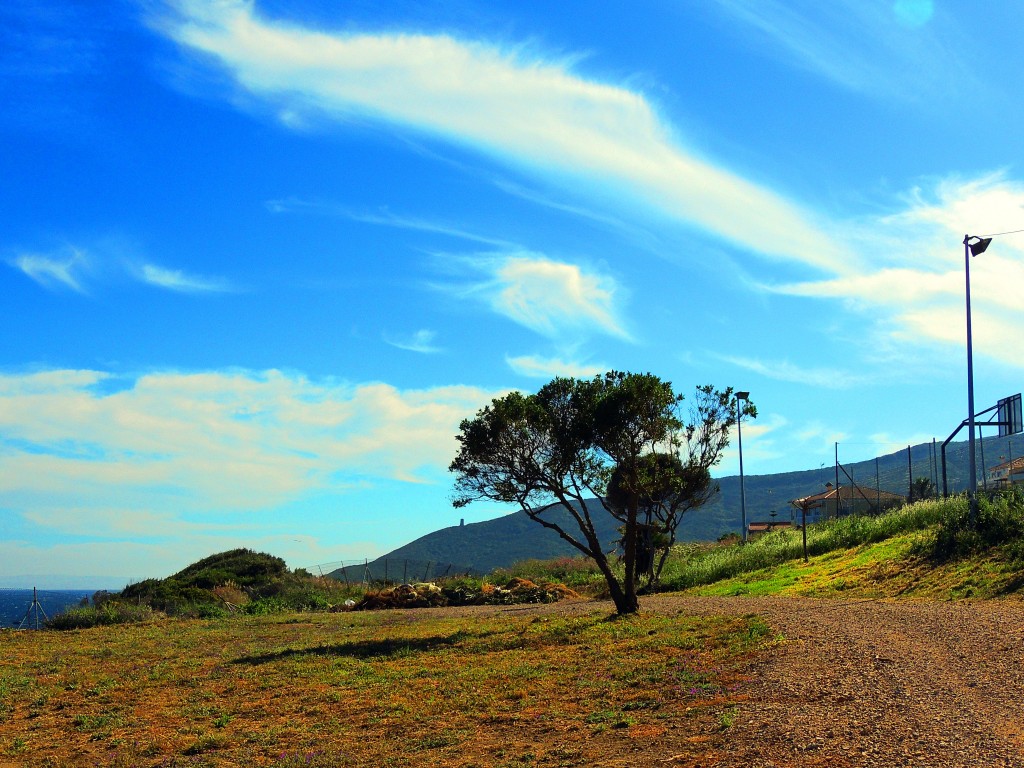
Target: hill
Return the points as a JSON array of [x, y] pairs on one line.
[[502, 541], [239, 579], [482, 547]]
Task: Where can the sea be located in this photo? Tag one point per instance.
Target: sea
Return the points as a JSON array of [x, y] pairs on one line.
[[16, 604]]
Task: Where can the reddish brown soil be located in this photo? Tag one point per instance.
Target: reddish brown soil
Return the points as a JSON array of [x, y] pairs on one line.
[[868, 683]]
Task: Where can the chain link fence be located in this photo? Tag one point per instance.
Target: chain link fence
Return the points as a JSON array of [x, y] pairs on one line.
[[384, 571]]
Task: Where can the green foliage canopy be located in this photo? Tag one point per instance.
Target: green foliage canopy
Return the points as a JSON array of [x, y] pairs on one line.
[[563, 446]]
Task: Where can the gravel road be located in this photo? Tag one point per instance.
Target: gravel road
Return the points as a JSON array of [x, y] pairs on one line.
[[872, 683], [865, 683]]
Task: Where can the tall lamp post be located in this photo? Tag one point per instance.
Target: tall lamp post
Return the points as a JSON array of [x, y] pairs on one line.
[[739, 435], [973, 245]]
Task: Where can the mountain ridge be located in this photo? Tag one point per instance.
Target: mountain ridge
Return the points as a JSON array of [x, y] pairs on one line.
[[502, 541]]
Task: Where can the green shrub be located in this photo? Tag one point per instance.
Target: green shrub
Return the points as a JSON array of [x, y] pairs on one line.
[[264, 606], [193, 585], [108, 613], [579, 573], [1000, 525]]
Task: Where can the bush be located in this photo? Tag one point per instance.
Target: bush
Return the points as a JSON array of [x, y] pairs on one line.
[[579, 573], [1000, 525], [241, 568], [107, 613], [264, 607]]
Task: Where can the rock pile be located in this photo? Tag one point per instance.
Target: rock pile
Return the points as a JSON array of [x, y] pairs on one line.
[[427, 595]]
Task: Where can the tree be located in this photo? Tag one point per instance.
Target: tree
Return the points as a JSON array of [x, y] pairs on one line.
[[614, 444], [672, 488], [921, 488]]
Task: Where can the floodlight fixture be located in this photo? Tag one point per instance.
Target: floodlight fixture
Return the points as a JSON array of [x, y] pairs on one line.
[[977, 245]]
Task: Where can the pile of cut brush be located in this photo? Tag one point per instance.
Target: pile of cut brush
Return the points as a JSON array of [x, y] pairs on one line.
[[429, 595]]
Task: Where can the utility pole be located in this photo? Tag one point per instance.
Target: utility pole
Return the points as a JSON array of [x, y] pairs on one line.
[[910, 475], [838, 498]]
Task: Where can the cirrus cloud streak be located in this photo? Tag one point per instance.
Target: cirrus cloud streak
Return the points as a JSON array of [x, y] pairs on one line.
[[526, 109]]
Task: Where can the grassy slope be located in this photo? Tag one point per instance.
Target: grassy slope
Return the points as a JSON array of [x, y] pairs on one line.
[[886, 569], [892, 556], [500, 542]]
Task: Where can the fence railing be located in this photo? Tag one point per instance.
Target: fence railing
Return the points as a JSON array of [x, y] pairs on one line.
[[390, 571]]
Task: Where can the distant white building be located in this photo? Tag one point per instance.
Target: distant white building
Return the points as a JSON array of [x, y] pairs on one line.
[[1008, 473]]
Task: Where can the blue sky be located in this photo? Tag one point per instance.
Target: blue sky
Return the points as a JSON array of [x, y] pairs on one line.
[[258, 260]]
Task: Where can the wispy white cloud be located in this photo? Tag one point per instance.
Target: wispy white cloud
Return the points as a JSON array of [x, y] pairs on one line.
[[889, 443], [81, 269], [421, 341], [784, 370], [519, 106], [759, 444], [878, 48], [558, 300], [817, 432], [65, 269], [176, 280], [645, 237], [537, 367], [383, 218], [549, 296]]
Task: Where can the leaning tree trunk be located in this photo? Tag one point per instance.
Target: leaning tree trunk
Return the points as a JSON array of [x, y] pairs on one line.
[[629, 603], [624, 599], [623, 603]]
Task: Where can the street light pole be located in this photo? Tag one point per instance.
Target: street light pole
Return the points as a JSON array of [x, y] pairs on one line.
[[971, 249], [739, 435]]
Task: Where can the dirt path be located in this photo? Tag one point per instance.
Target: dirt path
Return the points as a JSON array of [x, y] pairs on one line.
[[862, 683], [869, 683]]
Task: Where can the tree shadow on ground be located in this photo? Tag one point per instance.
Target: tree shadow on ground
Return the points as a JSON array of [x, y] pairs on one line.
[[366, 649]]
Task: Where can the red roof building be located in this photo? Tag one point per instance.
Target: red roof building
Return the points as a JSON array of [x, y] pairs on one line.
[[845, 500]]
